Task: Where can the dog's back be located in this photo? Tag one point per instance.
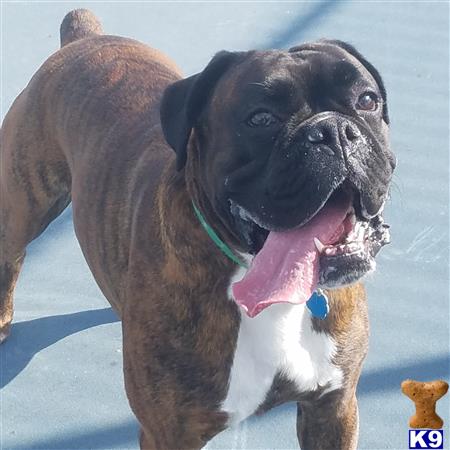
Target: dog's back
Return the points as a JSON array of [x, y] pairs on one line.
[[86, 128]]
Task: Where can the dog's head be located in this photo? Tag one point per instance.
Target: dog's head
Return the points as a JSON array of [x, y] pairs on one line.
[[285, 147]]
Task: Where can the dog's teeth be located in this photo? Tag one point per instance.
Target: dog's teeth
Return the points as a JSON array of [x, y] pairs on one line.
[[319, 245], [361, 234], [352, 236], [330, 251], [353, 218]]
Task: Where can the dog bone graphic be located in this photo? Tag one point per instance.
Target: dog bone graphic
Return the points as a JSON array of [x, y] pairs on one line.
[[425, 395]]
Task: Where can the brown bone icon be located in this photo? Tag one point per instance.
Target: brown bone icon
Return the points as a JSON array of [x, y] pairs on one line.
[[425, 395]]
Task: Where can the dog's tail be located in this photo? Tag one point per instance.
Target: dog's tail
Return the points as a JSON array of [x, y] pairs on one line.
[[78, 24]]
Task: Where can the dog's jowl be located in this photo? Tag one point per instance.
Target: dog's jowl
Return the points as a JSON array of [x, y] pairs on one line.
[[228, 218]]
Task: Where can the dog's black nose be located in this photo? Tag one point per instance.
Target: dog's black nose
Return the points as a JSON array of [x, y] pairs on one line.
[[333, 131], [315, 135]]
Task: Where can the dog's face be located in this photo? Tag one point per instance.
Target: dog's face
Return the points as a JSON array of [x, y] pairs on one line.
[[278, 137]]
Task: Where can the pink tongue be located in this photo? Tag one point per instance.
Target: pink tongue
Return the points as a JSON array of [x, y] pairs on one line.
[[286, 270]]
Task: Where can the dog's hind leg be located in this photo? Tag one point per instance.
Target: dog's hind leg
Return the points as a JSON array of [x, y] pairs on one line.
[[34, 189], [9, 271]]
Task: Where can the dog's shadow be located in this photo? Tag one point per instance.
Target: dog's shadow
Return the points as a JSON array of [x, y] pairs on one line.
[[31, 336]]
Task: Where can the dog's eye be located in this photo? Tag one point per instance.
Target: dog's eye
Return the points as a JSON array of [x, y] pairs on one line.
[[367, 101], [262, 119]]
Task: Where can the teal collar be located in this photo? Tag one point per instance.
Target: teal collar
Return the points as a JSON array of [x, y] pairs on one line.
[[216, 239]]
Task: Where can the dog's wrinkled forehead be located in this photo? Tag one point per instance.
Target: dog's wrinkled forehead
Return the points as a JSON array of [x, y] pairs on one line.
[[288, 75]]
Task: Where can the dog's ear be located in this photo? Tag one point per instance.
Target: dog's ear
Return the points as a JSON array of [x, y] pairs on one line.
[[352, 50], [184, 100]]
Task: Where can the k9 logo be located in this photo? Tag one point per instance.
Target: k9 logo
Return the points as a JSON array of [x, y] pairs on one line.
[[426, 439]]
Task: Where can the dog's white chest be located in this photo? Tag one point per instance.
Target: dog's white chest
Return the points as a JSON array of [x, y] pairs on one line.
[[279, 339]]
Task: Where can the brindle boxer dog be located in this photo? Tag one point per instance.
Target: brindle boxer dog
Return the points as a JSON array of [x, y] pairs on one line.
[[283, 154]]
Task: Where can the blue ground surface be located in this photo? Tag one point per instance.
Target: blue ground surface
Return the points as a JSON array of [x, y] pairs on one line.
[[61, 370]]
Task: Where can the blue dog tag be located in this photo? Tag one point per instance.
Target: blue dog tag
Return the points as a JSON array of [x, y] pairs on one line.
[[318, 304]]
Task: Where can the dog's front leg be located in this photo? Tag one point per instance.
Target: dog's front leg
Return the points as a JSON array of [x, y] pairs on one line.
[[171, 389], [330, 423]]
